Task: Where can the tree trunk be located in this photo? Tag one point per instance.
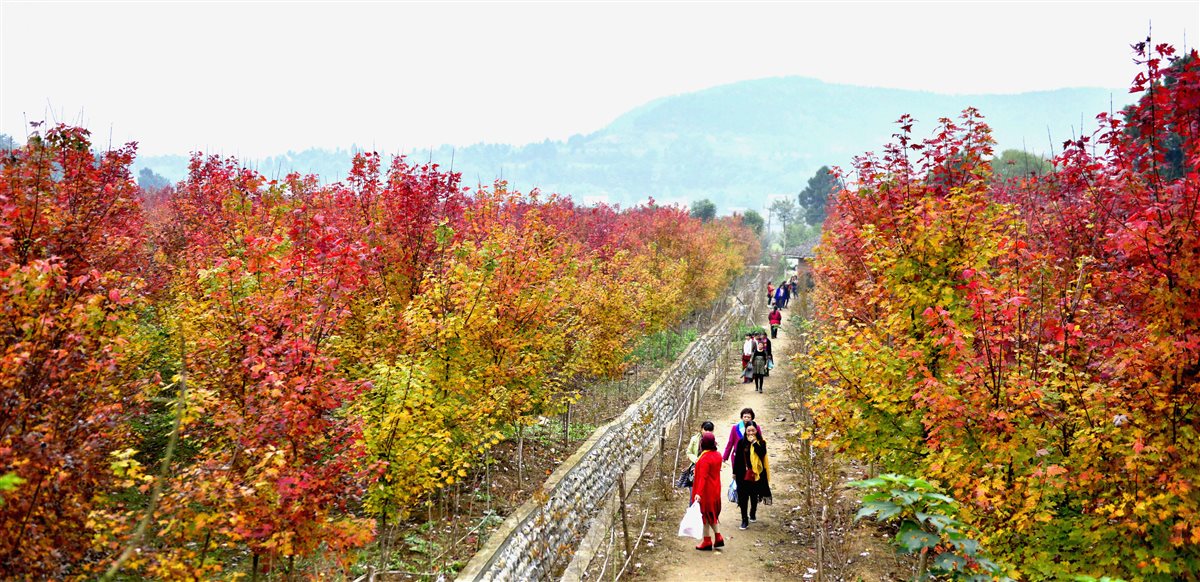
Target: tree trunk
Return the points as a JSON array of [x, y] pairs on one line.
[[520, 453], [384, 546], [923, 564], [567, 426]]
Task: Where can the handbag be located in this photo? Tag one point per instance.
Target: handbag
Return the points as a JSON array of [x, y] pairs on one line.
[[692, 524], [733, 491], [686, 478], [770, 364]]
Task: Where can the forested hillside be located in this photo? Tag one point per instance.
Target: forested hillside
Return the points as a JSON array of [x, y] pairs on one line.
[[734, 144]]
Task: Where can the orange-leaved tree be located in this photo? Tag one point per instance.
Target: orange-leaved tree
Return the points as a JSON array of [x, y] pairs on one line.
[[1031, 344], [261, 282], [70, 292]]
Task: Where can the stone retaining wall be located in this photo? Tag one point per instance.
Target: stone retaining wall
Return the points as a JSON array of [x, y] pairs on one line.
[[539, 538]]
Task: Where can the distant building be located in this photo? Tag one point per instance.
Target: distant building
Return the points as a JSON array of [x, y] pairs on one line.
[[800, 258]]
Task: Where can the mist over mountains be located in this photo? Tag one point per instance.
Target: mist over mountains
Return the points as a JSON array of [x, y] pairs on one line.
[[735, 144]]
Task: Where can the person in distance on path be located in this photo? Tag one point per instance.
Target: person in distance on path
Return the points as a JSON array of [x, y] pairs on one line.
[[706, 489], [747, 351], [750, 472], [770, 354], [776, 319], [759, 362]]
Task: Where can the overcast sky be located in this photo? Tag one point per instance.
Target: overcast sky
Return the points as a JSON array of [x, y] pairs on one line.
[[260, 79]]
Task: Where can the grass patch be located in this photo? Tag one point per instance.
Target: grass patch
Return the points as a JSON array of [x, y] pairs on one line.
[[663, 347], [739, 333], [551, 431]]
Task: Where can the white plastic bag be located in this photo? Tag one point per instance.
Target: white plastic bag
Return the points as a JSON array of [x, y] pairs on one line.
[[692, 524]]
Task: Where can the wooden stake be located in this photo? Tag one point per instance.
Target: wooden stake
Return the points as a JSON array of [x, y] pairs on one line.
[[662, 447], [520, 453], [821, 547], [567, 427], [624, 520]]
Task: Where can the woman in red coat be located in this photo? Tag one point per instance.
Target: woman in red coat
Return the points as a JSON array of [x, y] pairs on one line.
[[776, 319], [706, 488]]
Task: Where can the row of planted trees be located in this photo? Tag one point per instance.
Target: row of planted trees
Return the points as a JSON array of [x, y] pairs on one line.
[[1032, 344], [239, 366]]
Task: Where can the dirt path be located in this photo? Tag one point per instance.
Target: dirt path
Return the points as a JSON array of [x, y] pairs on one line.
[[812, 508], [767, 550]]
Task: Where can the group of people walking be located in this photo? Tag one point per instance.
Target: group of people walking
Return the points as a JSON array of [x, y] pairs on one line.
[[745, 447], [757, 359], [746, 452], [779, 296]]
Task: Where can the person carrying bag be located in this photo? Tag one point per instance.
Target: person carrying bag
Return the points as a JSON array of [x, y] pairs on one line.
[[693, 452], [686, 478], [692, 525], [706, 491]]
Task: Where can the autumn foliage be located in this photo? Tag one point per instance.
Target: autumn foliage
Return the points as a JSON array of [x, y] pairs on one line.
[[336, 353], [70, 249], [1032, 345]]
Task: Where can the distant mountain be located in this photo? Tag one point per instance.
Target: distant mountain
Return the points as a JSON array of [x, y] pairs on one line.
[[734, 144]]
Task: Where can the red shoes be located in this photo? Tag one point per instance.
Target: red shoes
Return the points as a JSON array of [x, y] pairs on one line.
[[707, 545]]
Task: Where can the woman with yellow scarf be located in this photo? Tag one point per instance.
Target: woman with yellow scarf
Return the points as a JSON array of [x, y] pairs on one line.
[[750, 469]]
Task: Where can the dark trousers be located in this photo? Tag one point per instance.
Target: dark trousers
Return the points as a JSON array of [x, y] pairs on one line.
[[774, 331], [747, 498]]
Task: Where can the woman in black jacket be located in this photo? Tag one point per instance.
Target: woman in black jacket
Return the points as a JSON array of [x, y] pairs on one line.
[[750, 470]]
